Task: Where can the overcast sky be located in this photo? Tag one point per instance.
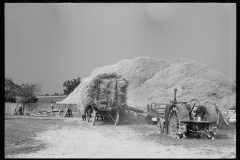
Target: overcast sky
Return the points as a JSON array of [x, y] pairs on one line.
[[51, 43]]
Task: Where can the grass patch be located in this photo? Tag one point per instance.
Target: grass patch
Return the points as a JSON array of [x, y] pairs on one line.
[[19, 133]]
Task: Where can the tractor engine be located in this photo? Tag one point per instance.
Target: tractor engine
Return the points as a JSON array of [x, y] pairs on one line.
[[201, 130]]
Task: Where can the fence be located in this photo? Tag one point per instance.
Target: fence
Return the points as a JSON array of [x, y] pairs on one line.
[[29, 108], [9, 108]]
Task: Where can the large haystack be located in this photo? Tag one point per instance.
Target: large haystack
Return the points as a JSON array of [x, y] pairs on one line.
[[153, 80]]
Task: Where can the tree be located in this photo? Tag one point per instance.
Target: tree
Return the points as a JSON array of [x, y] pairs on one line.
[[71, 85], [56, 94], [27, 93], [10, 90]]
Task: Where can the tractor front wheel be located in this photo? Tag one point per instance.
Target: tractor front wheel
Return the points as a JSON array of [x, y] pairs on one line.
[[174, 122]]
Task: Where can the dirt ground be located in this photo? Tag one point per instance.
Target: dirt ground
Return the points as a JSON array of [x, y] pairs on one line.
[[82, 140]]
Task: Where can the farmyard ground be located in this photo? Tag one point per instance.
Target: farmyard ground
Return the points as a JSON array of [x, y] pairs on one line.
[[73, 138]]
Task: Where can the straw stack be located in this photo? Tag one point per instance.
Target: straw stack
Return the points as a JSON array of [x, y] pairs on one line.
[[152, 80]]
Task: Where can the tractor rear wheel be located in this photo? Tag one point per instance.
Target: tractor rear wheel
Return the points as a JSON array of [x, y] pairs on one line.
[[174, 122]]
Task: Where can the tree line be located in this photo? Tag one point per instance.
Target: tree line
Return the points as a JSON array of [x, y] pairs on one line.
[[27, 93]]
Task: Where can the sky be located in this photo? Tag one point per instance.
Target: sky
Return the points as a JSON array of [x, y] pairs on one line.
[[50, 43]]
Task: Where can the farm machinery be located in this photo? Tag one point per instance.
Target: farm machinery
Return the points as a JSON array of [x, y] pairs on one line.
[[181, 119], [106, 97]]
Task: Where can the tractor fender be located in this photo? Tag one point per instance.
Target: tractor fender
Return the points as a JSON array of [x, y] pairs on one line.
[[211, 114], [184, 110]]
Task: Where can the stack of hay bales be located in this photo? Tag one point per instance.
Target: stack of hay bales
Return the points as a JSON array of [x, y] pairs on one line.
[[152, 80], [106, 87]]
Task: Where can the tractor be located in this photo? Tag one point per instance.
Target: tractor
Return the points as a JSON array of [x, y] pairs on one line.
[[181, 119]]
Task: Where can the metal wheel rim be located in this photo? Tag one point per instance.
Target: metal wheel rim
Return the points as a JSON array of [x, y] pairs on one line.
[[174, 122]]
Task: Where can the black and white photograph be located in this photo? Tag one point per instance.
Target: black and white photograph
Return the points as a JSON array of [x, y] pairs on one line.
[[120, 80]]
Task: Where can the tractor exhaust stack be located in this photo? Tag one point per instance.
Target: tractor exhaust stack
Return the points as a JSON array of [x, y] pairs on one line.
[[175, 93]]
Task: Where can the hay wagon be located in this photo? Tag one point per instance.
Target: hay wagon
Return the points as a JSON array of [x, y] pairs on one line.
[[107, 95]]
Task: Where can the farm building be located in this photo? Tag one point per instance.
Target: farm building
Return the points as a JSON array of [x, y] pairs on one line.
[[44, 102]]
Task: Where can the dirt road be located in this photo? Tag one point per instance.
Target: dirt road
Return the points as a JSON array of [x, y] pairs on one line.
[[82, 140]]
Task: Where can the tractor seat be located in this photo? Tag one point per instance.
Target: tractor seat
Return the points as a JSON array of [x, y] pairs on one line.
[[205, 118]]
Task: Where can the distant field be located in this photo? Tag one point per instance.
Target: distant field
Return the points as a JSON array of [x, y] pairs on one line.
[[48, 99]]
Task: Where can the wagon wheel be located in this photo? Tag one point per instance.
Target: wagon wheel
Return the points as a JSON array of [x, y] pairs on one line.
[[174, 122], [94, 117], [117, 117]]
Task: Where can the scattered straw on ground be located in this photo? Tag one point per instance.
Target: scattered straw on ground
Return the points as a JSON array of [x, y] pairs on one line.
[[114, 142]]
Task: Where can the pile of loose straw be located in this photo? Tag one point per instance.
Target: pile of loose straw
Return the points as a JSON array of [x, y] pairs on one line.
[[152, 80]]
